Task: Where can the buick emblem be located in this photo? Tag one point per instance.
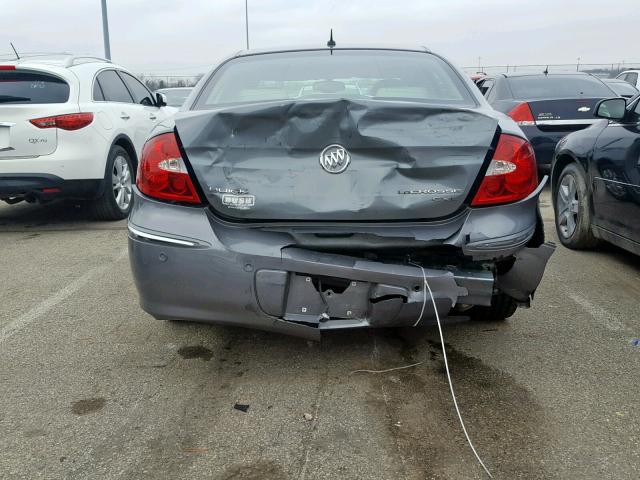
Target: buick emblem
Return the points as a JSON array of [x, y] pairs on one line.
[[334, 158]]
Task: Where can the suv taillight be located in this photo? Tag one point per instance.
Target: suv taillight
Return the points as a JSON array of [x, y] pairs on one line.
[[512, 174], [162, 173], [71, 121], [522, 115]]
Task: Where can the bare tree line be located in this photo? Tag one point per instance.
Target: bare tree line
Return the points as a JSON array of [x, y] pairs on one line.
[[154, 82]]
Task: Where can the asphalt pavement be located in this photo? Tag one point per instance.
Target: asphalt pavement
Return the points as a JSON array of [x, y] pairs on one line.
[[92, 387]]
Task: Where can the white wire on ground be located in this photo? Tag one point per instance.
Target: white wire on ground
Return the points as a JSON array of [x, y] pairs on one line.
[[387, 369], [446, 366]]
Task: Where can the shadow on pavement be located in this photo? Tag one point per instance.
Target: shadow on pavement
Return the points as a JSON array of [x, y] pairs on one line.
[[618, 254], [55, 215], [603, 252]]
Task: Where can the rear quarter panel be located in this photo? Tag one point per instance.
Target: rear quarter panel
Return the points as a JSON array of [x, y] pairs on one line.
[[576, 147]]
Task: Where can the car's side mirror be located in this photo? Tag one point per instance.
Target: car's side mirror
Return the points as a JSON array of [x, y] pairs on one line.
[[611, 108], [161, 100]]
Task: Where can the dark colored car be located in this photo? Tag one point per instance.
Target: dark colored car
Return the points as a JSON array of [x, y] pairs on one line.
[[622, 88], [546, 106], [315, 189], [596, 180]]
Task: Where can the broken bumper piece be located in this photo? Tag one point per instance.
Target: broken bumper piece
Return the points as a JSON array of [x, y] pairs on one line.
[[333, 291], [306, 292]]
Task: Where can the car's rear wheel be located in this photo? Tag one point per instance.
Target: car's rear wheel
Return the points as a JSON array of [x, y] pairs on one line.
[[572, 208], [117, 198], [502, 307]]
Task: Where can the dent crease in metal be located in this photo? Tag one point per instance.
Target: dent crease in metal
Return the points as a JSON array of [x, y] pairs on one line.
[[407, 161]]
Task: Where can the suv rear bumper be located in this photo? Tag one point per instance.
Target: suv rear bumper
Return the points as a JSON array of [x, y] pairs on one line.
[[187, 265], [44, 187]]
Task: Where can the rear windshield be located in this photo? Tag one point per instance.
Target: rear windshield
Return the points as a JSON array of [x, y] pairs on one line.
[[22, 87], [623, 88], [558, 86], [351, 74]]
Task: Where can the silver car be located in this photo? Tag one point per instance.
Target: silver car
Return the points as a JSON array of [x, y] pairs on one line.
[[175, 96], [305, 190]]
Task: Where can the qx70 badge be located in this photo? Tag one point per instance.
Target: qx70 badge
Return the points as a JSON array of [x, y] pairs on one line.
[[334, 158]]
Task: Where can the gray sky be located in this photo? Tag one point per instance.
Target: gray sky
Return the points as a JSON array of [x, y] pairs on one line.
[[176, 37]]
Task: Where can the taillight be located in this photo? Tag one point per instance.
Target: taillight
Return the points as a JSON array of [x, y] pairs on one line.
[[522, 115], [162, 173], [7, 67], [512, 174], [71, 121]]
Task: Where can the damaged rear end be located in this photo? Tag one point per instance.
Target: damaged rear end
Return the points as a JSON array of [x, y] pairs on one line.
[[325, 212]]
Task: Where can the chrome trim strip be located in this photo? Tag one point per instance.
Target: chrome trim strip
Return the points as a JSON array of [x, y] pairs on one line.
[[159, 238], [613, 123], [567, 122], [616, 181]]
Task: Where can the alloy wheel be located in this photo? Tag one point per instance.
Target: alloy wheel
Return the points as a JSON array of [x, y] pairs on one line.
[[121, 181], [567, 206]]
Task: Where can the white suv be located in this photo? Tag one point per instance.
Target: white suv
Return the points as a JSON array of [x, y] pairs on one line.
[[73, 126], [631, 76]]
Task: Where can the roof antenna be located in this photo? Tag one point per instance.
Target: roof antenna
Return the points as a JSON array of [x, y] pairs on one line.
[[546, 70], [331, 43], [15, 51]]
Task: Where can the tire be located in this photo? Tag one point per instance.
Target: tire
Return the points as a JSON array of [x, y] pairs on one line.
[[572, 208], [502, 307], [117, 198]]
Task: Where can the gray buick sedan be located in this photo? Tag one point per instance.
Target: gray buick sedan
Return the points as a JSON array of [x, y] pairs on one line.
[[304, 190]]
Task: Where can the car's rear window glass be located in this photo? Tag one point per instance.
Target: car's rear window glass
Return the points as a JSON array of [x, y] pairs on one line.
[[24, 87], [97, 92], [140, 93], [351, 74], [112, 87], [531, 87], [623, 88]]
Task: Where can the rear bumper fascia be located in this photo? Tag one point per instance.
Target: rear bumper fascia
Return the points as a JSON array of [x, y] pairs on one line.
[[44, 187], [79, 155], [544, 143], [199, 284], [189, 266]]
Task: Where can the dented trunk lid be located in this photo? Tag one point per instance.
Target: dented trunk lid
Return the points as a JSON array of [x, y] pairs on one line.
[[405, 160]]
